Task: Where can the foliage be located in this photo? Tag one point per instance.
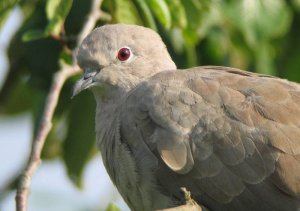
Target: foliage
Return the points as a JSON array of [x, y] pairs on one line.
[[112, 207], [257, 35]]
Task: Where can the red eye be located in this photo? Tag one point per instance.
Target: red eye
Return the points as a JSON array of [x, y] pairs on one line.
[[124, 54]]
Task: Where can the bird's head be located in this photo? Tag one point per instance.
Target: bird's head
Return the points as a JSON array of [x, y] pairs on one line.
[[120, 56]]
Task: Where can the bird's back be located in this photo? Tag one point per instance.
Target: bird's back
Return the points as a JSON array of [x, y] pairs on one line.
[[230, 137]]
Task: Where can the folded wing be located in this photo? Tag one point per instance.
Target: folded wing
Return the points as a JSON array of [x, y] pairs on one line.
[[230, 137]]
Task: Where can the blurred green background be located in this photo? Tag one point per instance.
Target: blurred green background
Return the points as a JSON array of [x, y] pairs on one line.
[[255, 35]]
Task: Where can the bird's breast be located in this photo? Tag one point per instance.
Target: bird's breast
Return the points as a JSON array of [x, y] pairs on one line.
[[130, 165]]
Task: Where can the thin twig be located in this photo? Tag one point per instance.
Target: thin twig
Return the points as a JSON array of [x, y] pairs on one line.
[[92, 18], [45, 126], [95, 15], [46, 122]]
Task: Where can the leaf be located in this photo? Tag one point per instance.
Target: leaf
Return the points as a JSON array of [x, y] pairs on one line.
[[79, 144], [21, 98], [277, 19], [33, 35], [259, 20], [66, 57], [190, 36], [54, 27], [57, 11], [177, 13], [193, 14], [112, 207], [34, 60], [53, 143], [161, 11], [177, 40], [126, 12], [147, 14], [291, 66], [217, 44], [51, 7], [7, 5], [296, 4], [264, 60], [191, 55], [76, 19], [3, 17]]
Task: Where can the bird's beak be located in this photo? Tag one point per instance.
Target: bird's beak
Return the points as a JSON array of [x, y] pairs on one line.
[[85, 82]]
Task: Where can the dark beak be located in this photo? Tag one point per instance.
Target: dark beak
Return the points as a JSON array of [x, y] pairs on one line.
[[84, 82]]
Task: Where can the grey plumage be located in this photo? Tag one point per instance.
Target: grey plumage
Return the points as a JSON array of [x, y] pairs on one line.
[[230, 137]]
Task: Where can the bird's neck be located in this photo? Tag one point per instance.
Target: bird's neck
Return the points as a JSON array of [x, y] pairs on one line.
[[108, 95], [107, 112]]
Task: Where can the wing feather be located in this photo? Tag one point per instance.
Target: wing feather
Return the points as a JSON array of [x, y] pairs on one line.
[[223, 133]]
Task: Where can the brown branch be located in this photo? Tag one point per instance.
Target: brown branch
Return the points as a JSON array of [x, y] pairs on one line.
[[95, 14], [92, 18], [45, 125], [46, 122]]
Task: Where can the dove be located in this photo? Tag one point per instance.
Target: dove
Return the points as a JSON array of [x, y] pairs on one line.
[[230, 137]]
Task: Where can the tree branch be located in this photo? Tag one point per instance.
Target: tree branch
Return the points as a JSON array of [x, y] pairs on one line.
[[45, 126], [46, 122], [92, 18]]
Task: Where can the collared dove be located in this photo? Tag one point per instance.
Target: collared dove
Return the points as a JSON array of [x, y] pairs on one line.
[[230, 137]]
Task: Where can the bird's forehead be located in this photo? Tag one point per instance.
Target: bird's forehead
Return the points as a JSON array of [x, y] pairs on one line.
[[97, 47], [99, 41], [116, 36]]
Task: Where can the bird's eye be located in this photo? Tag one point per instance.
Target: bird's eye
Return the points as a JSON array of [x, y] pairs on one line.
[[124, 54]]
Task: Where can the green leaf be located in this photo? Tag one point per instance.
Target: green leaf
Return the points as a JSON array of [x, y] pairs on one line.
[[259, 20], [177, 13], [149, 19], [51, 7], [3, 17], [191, 55], [112, 207], [54, 26], [161, 11], [20, 99], [177, 40], [126, 12], [33, 35], [193, 14], [217, 44], [66, 57], [7, 5], [291, 66], [57, 11], [190, 36], [264, 59], [53, 143], [79, 144], [296, 4], [277, 18], [5, 8]]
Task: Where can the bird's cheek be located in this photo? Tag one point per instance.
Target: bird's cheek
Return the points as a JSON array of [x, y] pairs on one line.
[[107, 76]]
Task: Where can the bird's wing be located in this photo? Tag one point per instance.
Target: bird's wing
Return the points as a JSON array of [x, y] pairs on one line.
[[225, 134]]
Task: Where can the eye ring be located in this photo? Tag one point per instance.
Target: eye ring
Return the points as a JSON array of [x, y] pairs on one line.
[[124, 54]]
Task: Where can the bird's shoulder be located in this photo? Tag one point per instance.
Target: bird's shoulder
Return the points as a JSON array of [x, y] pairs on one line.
[[221, 126], [185, 101]]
